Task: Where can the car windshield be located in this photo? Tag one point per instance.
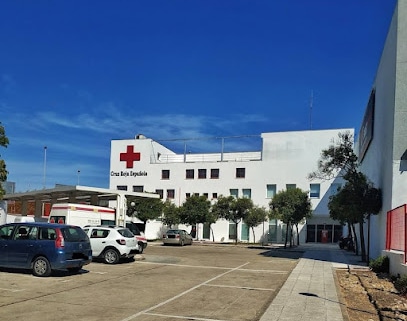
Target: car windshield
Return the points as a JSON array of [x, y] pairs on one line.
[[74, 234], [173, 232], [125, 232]]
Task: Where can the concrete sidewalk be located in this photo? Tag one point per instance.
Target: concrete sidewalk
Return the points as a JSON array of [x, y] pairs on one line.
[[310, 291]]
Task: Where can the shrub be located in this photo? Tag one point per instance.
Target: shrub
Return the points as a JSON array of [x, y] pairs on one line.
[[401, 284], [380, 265]]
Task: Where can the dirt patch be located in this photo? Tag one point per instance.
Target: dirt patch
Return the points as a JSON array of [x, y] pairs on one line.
[[367, 296]]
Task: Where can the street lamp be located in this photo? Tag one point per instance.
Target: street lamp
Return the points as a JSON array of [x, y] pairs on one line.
[[79, 172]]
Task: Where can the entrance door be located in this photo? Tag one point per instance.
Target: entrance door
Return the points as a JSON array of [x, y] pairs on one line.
[[245, 232]]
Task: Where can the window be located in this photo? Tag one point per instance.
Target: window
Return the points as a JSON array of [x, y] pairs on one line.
[[160, 192], [189, 174], [334, 188], [170, 193], [206, 195], [139, 189], [165, 174], [240, 172], [314, 190], [290, 186], [271, 190], [234, 192], [214, 195], [247, 193], [187, 195], [122, 187], [215, 173], [201, 173], [196, 194]]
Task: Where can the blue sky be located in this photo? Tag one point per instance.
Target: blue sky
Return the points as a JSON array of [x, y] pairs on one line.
[[76, 74]]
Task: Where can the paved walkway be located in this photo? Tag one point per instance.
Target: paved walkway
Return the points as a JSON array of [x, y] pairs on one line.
[[310, 292]]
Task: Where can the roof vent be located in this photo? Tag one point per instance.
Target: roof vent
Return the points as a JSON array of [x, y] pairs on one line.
[[140, 136]]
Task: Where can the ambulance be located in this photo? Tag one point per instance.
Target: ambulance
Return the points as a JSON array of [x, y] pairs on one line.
[[90, 215]]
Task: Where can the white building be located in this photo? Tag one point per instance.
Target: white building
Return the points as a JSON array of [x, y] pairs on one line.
[[383, 136], [283, 160]]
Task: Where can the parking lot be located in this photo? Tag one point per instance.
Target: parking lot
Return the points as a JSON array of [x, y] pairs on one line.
[[198, 282]]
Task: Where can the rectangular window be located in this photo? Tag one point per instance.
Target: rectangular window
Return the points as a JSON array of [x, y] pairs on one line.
[[234, 192], [271, 190], [247, 193], [201, 173], [139, 189], [206, 195], [214, 195], [290, 186], [160, 192], [240, 172], [165, 174], [314, 190], [170, 193], [189, 174], [187, 195], [334, 188], [122, 187], [215, 173], [196, 194]]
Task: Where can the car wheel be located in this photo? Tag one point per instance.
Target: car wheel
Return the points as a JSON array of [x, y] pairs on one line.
[[41, 267], [111, 256], [74, 269], [141, 247]]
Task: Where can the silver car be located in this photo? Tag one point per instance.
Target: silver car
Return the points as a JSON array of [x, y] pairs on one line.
[[178, 237]]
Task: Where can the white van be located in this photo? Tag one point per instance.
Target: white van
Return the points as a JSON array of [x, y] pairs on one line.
[[90, 215]]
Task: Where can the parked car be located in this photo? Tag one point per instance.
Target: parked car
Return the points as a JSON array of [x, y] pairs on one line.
[[179, 237], [112, 243], [43, 247]]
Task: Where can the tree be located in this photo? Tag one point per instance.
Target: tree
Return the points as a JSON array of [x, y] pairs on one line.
[[291, 207], [144, 208], [195, 210], [255, 217], [3, 170], [232, 209], [171, 214], [359, 198], [211, 218]]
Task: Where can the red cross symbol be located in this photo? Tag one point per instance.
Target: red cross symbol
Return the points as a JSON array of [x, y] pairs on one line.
[[129, 156]]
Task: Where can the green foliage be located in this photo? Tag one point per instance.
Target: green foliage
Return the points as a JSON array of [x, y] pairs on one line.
[[339, 159], [171, 214], [401, 284], [380, 265], [232, 209], [291, 206], [195, 210], [145, 208], [255, 217]]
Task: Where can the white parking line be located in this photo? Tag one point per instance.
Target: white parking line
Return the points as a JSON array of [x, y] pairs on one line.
[[238, 287], [214, 267], [11, 290], [181, 294], [181, 317]]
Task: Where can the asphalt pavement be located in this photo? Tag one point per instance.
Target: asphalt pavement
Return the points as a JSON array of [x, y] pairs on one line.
[[310, 292]]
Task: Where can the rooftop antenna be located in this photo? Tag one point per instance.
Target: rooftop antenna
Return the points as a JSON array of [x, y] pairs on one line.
[[310, 109]]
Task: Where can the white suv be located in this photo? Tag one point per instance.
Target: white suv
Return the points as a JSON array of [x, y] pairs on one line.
[[112, 243]]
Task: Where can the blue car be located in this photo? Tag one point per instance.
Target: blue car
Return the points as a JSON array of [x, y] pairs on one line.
[[43, 247]]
